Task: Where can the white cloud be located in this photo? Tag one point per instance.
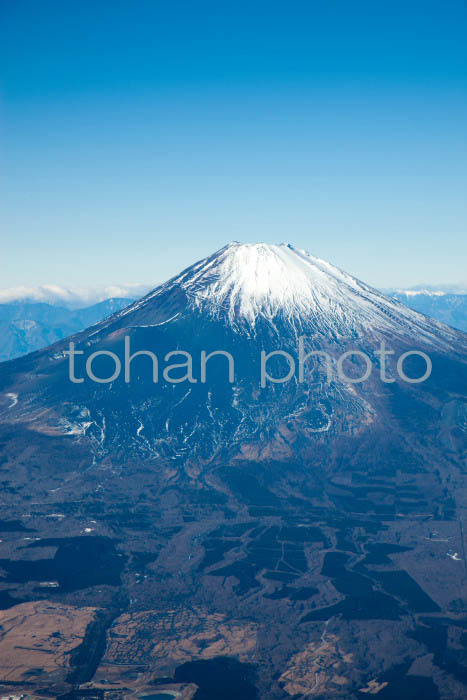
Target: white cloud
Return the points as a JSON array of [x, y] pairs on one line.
[[73, 297]]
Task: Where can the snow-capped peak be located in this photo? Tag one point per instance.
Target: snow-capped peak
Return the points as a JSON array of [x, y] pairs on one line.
[[252, 279], [244, 282]]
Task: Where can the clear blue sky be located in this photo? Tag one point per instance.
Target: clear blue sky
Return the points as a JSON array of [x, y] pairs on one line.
[[140, 135]]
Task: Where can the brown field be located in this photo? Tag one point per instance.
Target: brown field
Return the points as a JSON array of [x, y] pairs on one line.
[[36, 639]]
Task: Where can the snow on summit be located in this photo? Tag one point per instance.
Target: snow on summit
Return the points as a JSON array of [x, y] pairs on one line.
[[244, 282], [254, 279], [249, 280]]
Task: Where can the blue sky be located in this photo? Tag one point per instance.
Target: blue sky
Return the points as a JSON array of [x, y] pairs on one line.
[[139, 136]]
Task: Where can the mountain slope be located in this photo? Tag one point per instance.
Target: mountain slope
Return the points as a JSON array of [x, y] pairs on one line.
[[243, 300], [292, 540], [242, 283]]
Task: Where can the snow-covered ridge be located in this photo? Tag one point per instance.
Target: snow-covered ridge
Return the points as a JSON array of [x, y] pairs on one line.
[[244, 282]]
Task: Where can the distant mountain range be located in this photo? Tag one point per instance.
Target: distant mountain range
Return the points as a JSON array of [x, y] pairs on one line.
[[29, 326], [443, 306]]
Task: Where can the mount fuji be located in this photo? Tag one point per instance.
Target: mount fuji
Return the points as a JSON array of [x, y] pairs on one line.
[[294, 539], [241, 300], [243, 284]]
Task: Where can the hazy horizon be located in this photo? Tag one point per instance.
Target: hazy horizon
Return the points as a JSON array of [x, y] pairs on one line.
[[52, 291]]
